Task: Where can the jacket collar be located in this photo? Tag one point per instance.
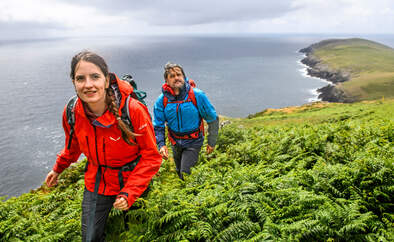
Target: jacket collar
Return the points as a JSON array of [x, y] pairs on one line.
[[169, 93]]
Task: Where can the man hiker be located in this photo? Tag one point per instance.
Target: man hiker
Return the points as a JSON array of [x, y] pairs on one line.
[[182, 107]]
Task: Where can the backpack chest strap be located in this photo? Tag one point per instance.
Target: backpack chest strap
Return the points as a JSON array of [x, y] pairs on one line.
[[182, 101], [70, 114]]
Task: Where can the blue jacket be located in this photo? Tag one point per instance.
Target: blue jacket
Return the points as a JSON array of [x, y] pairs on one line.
[[186, 119]]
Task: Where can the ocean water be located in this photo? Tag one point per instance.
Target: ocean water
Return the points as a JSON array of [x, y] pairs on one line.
[[240, 74]]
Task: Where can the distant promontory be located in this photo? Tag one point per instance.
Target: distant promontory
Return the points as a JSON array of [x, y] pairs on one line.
[[358, 69]]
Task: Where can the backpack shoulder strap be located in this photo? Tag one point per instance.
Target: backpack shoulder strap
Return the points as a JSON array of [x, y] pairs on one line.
[[71, 117], [192, 96], [165, 101], [126, 113]]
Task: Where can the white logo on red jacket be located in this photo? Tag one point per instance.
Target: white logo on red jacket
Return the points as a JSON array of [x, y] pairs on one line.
[[114, 139]]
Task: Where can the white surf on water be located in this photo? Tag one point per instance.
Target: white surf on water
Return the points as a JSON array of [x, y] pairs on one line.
[[314, 91]]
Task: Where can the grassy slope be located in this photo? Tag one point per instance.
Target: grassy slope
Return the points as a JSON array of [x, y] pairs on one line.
[[371, 66], [320, 172], [318, 112], [314, 157]]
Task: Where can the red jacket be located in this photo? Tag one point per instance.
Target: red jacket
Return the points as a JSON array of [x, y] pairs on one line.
[[105, 146]]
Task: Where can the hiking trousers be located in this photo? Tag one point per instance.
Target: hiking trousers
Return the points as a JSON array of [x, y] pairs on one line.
[[185, 158], [103, 207]]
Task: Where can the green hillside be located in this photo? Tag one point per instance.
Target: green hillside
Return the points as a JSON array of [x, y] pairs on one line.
[[320, 172], [370, 64]]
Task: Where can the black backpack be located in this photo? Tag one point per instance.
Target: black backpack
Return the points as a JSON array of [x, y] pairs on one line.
[[136, 94]]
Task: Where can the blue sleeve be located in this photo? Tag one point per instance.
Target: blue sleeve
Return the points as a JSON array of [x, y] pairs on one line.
[[206, 109], [159, 122]]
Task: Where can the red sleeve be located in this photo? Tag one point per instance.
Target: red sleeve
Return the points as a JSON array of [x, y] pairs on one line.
[[67, 156], [150, 161]]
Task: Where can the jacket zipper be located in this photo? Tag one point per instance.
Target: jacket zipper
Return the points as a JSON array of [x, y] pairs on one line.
[[90, 154], [180, 116], [177, 117], [97, 155], [105, 162]]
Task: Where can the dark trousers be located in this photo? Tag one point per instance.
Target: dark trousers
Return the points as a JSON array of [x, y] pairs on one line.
[[185, 158], [103, 207]]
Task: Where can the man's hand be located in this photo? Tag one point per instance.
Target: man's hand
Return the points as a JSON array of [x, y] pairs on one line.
[[121, 203], [210, 149], [164, 152]]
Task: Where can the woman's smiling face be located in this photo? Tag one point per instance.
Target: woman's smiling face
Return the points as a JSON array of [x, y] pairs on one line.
[[90, 83]]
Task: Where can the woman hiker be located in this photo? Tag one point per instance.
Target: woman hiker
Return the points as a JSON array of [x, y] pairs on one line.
[[122, 158]]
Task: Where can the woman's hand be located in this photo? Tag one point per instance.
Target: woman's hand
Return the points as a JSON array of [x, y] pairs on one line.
[[121, 203], [164, 152], [51, 178]]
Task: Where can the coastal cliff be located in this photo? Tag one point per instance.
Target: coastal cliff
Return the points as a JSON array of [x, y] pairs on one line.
[[317, 68], [358, 69]]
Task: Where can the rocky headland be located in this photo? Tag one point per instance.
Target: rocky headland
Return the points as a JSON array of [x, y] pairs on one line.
[[317, 68]]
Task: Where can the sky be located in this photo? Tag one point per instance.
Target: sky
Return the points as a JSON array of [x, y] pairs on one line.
[[20, 19]]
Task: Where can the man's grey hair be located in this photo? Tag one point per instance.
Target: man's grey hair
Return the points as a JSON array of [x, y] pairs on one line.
[[170, 66]]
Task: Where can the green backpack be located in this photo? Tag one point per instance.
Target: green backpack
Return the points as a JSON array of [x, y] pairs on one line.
[[137, 94]]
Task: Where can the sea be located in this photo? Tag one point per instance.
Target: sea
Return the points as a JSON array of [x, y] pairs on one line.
[[241, 75]]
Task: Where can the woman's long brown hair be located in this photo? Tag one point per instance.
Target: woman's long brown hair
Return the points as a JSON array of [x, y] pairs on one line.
[[127, 134]]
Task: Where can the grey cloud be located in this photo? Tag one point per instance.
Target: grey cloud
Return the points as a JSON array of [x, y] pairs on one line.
[[11, 30], [171, 12], [231, 11]]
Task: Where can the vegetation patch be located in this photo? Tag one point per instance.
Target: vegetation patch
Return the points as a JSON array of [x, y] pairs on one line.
[[323, 173]]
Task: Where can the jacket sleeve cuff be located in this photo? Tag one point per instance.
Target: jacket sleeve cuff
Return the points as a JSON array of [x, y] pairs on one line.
[[125, 195], [161, 144], [58, 169]]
